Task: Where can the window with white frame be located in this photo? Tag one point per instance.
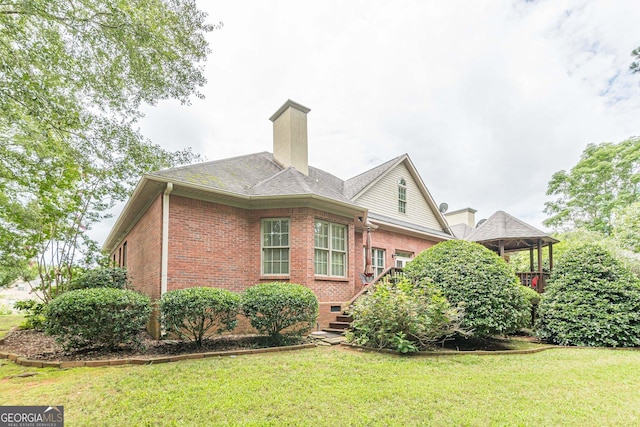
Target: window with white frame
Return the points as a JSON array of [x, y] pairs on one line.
[[377, 261], [330, 243], [275, 246], [402, 196]]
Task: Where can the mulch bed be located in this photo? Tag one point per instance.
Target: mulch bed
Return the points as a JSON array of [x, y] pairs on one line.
[[36, 345]]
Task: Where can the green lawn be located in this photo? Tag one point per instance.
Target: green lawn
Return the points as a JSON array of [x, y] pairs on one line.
[[9, 321], [333, 386]]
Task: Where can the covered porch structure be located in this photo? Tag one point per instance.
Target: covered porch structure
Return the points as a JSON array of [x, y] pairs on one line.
[[504, 233]]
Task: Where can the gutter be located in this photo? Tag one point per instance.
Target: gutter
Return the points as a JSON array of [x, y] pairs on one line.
[[164, 266]]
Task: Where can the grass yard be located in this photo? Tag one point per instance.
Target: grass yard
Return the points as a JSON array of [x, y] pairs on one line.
[[9, 321], [334, 386]]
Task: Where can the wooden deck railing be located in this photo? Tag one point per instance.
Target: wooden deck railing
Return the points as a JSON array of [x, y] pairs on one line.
[[526, 278], [394, 274]]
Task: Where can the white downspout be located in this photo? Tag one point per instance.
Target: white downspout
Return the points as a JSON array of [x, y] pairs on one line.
[[165, 239]]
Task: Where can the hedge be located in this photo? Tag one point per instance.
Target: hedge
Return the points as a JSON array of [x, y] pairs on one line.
[[100, 317], [193, 312], [275, 307]]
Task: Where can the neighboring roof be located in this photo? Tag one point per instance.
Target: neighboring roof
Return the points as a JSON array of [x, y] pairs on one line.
[[461, 231], [515, 234]]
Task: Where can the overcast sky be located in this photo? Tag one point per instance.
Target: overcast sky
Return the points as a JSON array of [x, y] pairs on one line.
[[488, 98]]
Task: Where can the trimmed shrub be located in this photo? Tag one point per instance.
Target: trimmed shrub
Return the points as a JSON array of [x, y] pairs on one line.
[[191, 313], [100, 317], [273, 307], [402, 317], [103, 277], [591, 300], [471, 274]]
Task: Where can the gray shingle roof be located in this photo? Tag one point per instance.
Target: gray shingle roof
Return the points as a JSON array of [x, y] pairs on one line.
[[257, 175], [359, 182], [501, 225], [383, 218], [253, 175], [461, 231], [236, 174]]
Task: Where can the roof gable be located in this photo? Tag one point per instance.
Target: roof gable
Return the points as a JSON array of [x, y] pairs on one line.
[[377, 190], [359, 183]]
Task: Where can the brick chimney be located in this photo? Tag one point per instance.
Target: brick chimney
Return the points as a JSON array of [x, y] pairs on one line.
[[290, 136]]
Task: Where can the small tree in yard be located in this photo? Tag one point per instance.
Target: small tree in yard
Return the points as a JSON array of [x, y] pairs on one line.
[[471, 274], [275, 307], [192, 313], [591, 300], [403, 317]]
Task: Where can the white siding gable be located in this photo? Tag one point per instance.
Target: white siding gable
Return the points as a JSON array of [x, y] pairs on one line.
[[382, 198]]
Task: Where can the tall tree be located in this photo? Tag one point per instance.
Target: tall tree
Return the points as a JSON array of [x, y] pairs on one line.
[[626, 227], [606, 178], [73, 76], [635, 65]]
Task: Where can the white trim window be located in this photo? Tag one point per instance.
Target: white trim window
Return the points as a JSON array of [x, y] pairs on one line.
[[377, 261], [275, 246], [330, 249], [402, 196], [402, 258]]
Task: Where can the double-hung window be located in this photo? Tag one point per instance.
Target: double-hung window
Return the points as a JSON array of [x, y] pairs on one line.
[[275, 246], [330, 255]]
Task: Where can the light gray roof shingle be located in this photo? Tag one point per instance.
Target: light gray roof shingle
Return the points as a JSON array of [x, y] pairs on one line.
[[257, 175], [501, 225], [461, 231], [383, 218], [236, 174], [358, 183]]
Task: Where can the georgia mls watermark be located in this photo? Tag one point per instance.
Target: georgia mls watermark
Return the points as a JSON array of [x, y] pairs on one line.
[[31, 416]]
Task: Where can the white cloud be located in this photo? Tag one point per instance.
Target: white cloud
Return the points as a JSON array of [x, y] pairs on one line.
[[489, 98]]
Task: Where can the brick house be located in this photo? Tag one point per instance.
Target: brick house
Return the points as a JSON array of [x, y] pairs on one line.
[[236, 222]]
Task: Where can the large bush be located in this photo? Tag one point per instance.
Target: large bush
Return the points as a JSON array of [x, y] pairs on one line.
[[402, 317], [273, 307], [591, 300], [100, 317], [192, 313], [102, 277], [471, 274]]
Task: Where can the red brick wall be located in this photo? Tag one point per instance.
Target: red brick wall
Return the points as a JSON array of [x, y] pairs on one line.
[[217, 245], [209, 245], [144, 247]]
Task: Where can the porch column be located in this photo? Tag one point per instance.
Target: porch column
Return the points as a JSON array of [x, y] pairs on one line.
[[531, 259], [550, 257], [540, 276], [501, 248]]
